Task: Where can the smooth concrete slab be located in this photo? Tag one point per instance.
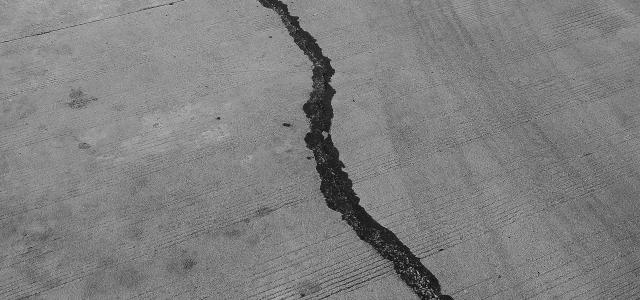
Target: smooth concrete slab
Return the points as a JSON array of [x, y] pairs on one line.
[[155, 149]]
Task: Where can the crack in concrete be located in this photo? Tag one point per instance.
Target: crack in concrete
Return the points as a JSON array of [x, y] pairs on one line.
[[88, 22], [336, 185]]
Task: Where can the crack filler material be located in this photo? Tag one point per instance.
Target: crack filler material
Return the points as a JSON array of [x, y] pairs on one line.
[[336, 186]]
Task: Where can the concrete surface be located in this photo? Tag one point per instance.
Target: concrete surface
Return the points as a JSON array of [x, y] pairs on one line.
[[143, 152]]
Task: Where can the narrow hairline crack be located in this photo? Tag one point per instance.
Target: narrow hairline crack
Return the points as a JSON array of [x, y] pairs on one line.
[[87, 22], [335, 184]]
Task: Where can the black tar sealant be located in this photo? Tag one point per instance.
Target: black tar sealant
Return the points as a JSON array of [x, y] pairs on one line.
[[336, 185]]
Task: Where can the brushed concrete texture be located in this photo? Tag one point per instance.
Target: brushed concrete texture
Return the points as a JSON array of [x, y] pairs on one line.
[[143, 152]]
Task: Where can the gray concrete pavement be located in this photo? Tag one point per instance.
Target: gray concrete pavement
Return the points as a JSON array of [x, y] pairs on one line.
[[143, 152]]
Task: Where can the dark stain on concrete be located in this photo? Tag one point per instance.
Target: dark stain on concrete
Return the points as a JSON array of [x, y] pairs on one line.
[[79, 99], [188, 263], [184, 263], [264, 211], [335, 183], [137, 185], [286, 124], [308, 287]]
